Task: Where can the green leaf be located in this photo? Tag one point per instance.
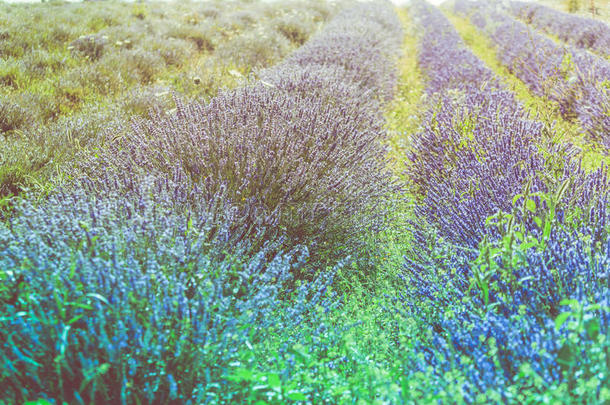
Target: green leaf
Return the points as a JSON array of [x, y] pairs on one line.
[[595, 307], [592, 327], [547, 229], [530, 205], [64, 340], [274, 381], [538, 221], [60, 304], [78, 305], [561, 319], [75, 319], [510, 224], [301, 352], [566, 356], [23, 357], [572, 303], [296, 396], [241, 374], [528, 245], [562, 190], [485, 289], [103, 368], [38, 402], [524, 279]]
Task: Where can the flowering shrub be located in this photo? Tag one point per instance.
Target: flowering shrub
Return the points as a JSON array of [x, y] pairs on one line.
[[121, 298], [162, 270], [477, 149], [294, 158], [91, 47], [357, 48], [259, 47], [60, 62], [12, 116]]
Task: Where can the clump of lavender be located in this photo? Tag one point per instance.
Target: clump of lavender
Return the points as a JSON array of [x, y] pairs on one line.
[[294, 155], [170, 250], [358, 47], [493, 339], [12, 116], [476, 149], [112, 294], [90, 47]]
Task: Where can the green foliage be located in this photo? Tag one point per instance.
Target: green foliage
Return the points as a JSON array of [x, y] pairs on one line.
[[585, 343], [12, 179], [12, 116], [573, 6], [12, 73]]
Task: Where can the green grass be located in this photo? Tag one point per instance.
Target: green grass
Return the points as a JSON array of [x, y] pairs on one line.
[[403, 113]]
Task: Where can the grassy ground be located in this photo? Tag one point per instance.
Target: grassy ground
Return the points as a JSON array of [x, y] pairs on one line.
[[402, 116]]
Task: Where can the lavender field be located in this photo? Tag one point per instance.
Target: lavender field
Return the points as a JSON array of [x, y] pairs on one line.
[[309, 202]]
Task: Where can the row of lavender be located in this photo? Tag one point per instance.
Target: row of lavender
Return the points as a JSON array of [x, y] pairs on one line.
[[577, 80], [513, 240], [163, 261], [464, 165], [580, 31]]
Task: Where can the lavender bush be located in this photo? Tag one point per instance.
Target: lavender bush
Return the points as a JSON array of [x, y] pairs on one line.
[[477, 148], [120, 297], [357, 48], [59, 62], [165, 265], [293, 156], [12, 116], [91, 47]]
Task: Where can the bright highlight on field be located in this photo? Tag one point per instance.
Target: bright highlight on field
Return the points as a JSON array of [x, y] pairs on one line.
[[321, 202]]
